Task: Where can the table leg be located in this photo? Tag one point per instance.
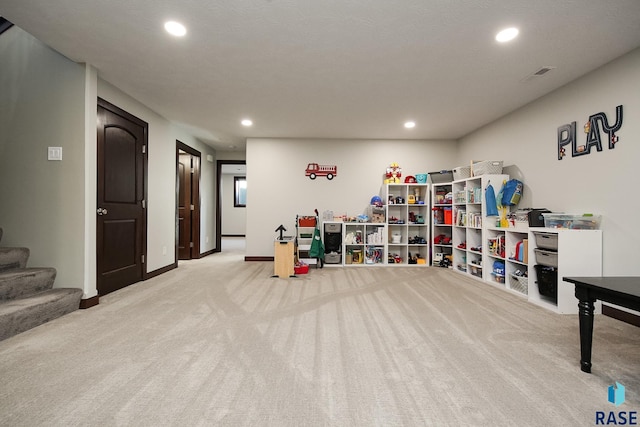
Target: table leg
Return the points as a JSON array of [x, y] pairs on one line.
[[585, 314]]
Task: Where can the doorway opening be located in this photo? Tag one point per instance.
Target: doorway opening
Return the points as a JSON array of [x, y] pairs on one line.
[[230, 211], [187, 202]]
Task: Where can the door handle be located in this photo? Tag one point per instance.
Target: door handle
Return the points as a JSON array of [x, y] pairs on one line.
[[102, 211]]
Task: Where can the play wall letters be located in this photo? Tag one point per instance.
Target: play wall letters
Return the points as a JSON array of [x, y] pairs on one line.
[[567, 134]]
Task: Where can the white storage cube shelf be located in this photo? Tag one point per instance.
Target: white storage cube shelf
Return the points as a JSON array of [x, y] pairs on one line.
[[402, 240], [579, 253], [474, 242]]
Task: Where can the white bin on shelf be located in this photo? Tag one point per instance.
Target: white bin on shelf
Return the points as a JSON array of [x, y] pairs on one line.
[[546, 240], [548, 258], [487, 167]]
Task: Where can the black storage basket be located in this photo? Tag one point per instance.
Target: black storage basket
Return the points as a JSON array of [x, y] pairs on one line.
[[547, 281]]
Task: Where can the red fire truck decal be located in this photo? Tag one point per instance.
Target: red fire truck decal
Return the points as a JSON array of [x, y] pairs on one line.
[[313, 170]]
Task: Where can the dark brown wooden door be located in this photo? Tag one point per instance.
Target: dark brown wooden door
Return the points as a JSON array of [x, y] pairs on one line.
[[184, 206], [121, 221], [188, 201]]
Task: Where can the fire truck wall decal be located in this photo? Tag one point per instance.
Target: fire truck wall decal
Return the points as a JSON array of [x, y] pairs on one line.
[[314, 169], [567, 134]]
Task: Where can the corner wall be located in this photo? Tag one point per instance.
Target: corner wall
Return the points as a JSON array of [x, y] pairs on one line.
[[600, 182], [42, 203]]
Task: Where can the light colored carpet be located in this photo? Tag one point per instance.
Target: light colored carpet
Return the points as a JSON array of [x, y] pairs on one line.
[[219, 342]]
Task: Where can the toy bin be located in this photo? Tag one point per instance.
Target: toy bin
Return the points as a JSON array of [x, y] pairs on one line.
[[572, 221], [519, 284], [546, 240], [487, 167], [421, 178], [476, 270], [307, 221], [545, 257], [498, 278], [461, 172], [439, 177], [448, 216], [547, 281], [332, 258], [301, 269]]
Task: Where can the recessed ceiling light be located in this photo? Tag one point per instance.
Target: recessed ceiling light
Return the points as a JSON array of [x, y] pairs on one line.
[[175, 28], [246, 122], [410, 125], [507, 34]]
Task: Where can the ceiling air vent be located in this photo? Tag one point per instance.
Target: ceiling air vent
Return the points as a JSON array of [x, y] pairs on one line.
[[538, 73]]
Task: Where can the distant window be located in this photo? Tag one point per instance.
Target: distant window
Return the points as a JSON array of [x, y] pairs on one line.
[[240, 191]]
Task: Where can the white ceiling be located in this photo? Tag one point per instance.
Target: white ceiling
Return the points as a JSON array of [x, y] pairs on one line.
[[333, 68]]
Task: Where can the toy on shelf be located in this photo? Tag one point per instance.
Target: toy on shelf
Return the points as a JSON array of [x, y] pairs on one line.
[[394, 172]]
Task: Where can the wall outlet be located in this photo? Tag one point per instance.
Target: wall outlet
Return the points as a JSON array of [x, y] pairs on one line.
[[54, 153], [164, 250], [206, 239]]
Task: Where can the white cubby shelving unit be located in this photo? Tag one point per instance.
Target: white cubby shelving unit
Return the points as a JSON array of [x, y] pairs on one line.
[[364, 244], [470, 230], [401, 240], [431, 221], [509, 246], [441, 221], [407, 214], [578, 253]]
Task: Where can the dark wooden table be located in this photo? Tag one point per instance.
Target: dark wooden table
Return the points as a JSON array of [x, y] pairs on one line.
[[622, 291]]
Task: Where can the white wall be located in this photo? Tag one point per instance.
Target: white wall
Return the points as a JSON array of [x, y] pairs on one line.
[[42, 203], [278, 189], [600, 182], [234, 219]]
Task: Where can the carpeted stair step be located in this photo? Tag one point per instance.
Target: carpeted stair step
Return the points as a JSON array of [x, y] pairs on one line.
[[11, 258], [21, 282], [22, 314]]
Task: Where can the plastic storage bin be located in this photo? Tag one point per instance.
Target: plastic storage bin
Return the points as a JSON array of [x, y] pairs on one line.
[[421, 178], [519, 283], [576, 222], [487, 167], [307, 221], [461, 172], [546, 240], [448, 216], [332, 258], [301, 269], [498, 278], [440, 177], [545, 257], [547, 281]]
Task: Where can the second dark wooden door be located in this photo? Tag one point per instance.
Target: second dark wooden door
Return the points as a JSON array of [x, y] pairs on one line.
[[184, 206]]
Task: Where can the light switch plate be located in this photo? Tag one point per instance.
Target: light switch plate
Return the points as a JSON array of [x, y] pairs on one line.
[[54, 153]]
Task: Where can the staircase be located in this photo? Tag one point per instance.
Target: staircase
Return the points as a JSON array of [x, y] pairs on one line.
[[27, 296]]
